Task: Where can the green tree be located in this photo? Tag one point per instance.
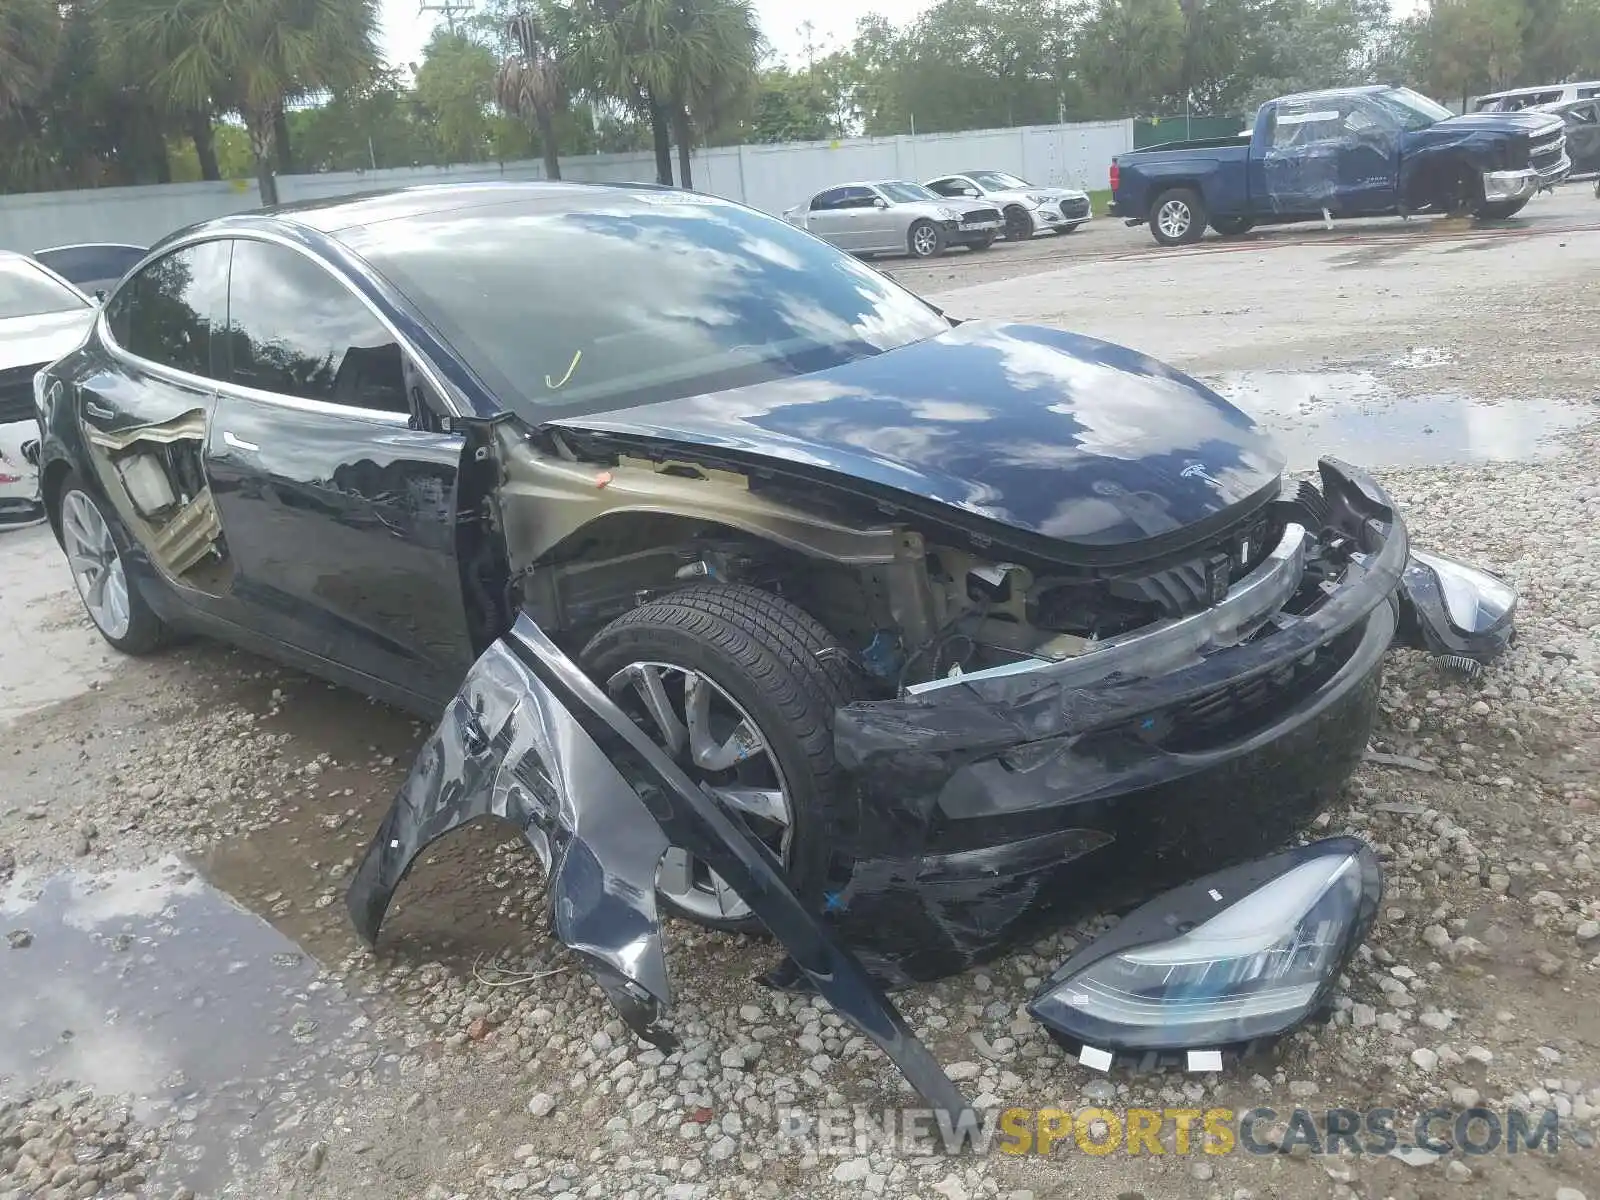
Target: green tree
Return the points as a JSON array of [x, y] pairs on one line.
[[455, 88], [530, 84], [375, 125], [674, 63], [793, 106], [1130, 55], [249, 57], [1472, 46]]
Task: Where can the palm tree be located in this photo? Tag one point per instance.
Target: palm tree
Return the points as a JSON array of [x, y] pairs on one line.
[[530, 85], [714, 48], [30, 31], [249, 56], [670, 61]]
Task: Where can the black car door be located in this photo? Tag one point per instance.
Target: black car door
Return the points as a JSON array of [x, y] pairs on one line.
[[337, 494], [145, 408]]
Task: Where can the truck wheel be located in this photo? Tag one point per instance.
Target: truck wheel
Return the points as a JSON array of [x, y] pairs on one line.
[[1178, 217], [740, 688], [1019, 224], [1232, 226], [1499, 210], [925, 240]]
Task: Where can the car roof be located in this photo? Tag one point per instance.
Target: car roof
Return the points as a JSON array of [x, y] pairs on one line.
[[334, 213], [1366, 89], [1539, 87]]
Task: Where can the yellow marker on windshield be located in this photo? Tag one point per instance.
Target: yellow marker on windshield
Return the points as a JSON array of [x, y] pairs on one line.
[[573, 366]]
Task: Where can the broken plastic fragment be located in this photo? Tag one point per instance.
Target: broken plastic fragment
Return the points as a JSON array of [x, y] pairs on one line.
[[1205, 1060], [1095, 1058]]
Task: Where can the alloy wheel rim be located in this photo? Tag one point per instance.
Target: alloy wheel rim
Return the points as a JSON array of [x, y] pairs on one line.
[[1018, 226], [96, 565], [721, 748], [924, 241], [1175, 218]]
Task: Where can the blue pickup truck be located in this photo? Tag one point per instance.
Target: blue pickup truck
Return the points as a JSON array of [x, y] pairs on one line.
[[1352, 152]]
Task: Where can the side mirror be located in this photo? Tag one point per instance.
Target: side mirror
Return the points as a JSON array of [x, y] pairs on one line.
[[100, 295], [879, 202], [970, 191]]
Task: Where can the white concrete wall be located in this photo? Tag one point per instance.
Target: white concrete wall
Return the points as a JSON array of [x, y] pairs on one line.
[[772, 178]]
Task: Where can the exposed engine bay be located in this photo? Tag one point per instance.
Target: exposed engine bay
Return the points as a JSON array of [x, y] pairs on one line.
[[914, 605]]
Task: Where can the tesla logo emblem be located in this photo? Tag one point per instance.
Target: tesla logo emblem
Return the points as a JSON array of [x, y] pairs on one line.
[[1198, 471]]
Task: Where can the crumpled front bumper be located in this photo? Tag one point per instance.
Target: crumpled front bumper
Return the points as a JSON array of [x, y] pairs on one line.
[[977, 805]]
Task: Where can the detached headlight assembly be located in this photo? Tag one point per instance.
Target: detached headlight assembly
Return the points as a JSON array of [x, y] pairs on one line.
[[1454, 608], [1246, 953]]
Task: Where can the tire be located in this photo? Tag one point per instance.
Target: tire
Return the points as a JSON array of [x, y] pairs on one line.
[[1019, 224], [981, 243], [1178, 217], [784, 671], [121, 615], [924, 240], [1499, 210], [1232, 226]]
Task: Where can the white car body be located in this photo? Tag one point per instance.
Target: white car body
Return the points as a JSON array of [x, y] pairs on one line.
[[1053, 209], [29, 342]]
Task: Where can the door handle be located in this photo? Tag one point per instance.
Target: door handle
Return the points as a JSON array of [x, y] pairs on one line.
[[98, 411], [238, 443]]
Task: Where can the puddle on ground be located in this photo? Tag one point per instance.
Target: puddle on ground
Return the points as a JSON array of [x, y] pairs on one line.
[[1355, 416], [150, 983]]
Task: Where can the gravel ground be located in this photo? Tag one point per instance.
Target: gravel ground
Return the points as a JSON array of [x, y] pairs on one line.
[[468, 1059]]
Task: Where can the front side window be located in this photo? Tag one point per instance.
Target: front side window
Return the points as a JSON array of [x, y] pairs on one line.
[[906, 193], [1413, 110], [999, 181], [295, 330], [167, 313], [636, 298], [26, 291]]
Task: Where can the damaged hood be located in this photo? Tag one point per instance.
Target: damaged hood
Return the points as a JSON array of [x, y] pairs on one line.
[[1047, 433], [41, 339], [1530, 124]]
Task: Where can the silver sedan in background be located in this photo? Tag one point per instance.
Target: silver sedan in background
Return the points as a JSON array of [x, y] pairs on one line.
[[896, 217]]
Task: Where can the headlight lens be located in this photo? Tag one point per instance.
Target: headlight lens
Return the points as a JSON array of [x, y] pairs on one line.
[[1255, 967], [1035, 199], [1475, 600], [949, 214]]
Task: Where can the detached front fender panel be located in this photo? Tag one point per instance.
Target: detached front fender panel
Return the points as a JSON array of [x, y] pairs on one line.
[[530, 740]]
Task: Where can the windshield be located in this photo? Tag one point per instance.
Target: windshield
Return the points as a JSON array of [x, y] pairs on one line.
[[1413, 111], [637, 298], [906, 193], [26, 291], [997, 181]]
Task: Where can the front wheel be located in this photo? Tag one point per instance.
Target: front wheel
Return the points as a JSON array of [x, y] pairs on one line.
[[1178, 217], [1019, 224], [739, 687], [97, 551], [1499, 210], [925, 240]]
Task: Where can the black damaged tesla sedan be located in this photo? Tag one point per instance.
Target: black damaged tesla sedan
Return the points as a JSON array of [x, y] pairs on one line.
[[743, 577]]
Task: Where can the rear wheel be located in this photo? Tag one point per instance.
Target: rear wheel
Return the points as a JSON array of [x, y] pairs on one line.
[[1019, 224], [925, 240], [1232, 226], [97, 547], [1178, 217], [739, 687]]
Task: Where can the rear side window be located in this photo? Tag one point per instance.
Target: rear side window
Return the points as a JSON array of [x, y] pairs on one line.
[[167, 312], [823, 201], [296, 330]]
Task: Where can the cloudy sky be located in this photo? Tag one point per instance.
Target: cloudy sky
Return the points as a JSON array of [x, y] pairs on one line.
[[406, 27]]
